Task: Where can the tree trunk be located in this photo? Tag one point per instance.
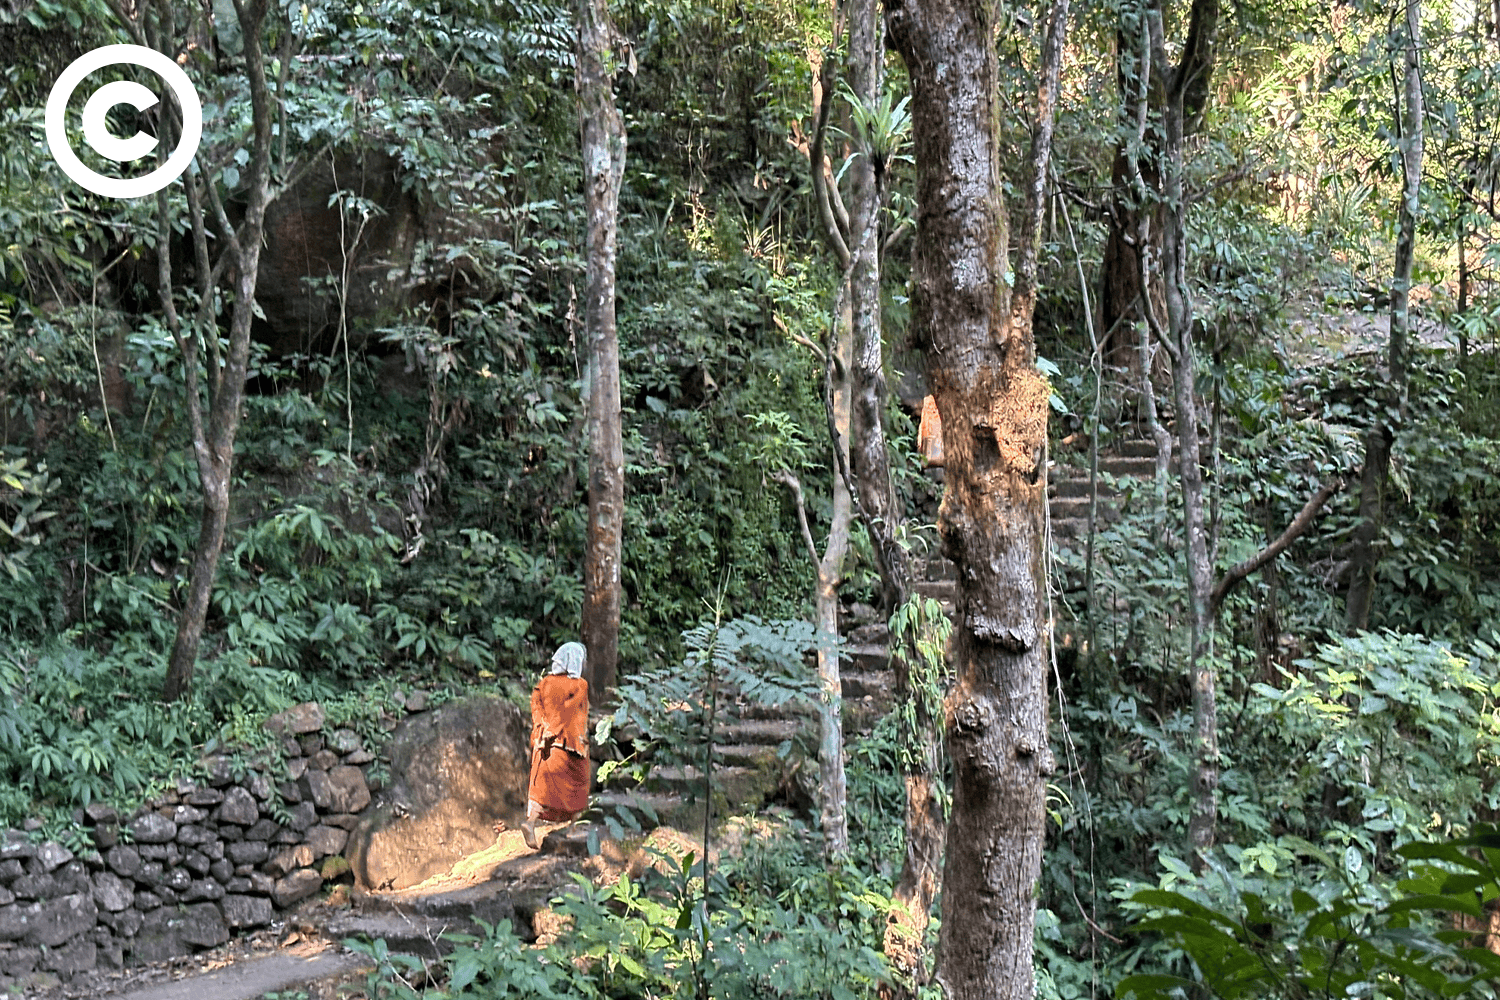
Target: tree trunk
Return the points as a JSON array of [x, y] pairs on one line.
[[871, 473], [993, 406], [869, 458], [1182, 89], [1381, 435], [1135, 221], [830, 567], [603, 140], [213, 449]]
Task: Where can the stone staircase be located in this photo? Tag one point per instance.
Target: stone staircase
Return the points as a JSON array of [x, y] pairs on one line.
[[752, 765], [762, 756]]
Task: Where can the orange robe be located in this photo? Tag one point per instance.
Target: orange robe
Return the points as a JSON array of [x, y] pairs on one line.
[[560, 746]]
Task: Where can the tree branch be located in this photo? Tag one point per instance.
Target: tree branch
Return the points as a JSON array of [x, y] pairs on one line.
[[1300, 524], [833, 231], [793, 484]]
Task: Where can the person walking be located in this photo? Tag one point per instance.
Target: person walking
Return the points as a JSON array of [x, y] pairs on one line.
[[559, 789]]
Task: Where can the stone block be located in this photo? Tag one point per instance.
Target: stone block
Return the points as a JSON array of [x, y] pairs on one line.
[[300, 856], [299, 719], [247, 911], [192, 836], [152, 828], [123, 860], [111, 892], [35, 887], [186, 815], [201, 889], [60, 920], [247, 852], [52, 855], [239, 807], [296, 886], [265, 829], [205, 797], [326, 840], [71, 959]]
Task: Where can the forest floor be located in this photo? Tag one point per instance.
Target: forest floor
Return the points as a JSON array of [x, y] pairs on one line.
[[1316, 333]]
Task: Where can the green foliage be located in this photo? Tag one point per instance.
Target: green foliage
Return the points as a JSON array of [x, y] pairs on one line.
[[1399, 726], [812, 936], [1345, 934]]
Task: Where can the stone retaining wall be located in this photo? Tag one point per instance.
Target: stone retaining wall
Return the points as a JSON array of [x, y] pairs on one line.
[[193, 866]]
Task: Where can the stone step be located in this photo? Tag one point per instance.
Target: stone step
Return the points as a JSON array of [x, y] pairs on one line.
[[868, 656], [1067, 486], [1068, 529], [1121, 467], [875, 684], [413, 923], [940, 568], [734, 789], [1066, 508], [1136, 448], [650, 808], [744, 754], [939, 590], [760, 732]]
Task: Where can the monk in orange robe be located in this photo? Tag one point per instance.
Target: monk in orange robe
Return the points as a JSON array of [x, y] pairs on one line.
[[559, 744]]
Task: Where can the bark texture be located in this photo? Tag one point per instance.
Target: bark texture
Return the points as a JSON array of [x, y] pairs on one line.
[[993, 407], [1382, 432], [603, 140]]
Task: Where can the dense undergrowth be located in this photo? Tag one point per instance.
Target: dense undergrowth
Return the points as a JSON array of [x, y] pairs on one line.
[[1341, 754]]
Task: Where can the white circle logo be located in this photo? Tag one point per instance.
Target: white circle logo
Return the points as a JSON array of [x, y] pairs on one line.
[[97, 133]]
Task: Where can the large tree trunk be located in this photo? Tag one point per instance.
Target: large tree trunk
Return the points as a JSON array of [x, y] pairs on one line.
[[993, 406], [1381, 435], [213, 447], [879, 510], [603, 138]]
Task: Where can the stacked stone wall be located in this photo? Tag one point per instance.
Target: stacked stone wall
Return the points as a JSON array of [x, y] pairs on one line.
[[210, 858]]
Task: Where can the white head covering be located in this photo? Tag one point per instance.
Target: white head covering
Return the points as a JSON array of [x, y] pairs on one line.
[[569, 659]]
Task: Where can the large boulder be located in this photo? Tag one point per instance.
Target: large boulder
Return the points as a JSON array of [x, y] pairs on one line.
[[455, 772]]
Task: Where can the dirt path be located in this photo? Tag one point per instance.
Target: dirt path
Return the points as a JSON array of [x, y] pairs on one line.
[[313, 967]]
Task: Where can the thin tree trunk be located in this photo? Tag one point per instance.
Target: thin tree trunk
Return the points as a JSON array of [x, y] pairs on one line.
[[1381, 435], [871, 473], [214, 451], [1184, 88], [831, 705], [993, 406], [603, 140], [869, 458]]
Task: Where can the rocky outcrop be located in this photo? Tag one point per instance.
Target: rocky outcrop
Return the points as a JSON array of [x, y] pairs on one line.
[[455, 772]]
